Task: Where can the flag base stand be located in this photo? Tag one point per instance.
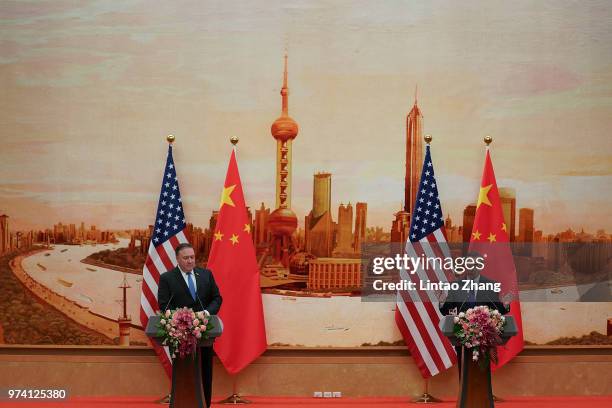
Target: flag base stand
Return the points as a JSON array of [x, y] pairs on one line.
[[164, 400], [234, 399], [426, 398]]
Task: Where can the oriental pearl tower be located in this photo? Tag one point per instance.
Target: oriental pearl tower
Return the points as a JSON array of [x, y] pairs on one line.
[[283, 221]]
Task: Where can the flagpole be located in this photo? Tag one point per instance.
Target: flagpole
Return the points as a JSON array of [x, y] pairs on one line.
[[166, 398], [234, 141], [426, 397], [235, 398], [488, 140]]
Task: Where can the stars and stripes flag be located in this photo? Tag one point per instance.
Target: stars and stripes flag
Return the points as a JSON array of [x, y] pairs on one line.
[[417, 314], [168, 232]]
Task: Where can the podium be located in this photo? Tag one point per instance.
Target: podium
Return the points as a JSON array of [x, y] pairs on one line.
[[187, 391], [475, 385]]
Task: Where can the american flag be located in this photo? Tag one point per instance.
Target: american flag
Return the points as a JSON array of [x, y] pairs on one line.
[[168, 232], [417, 314]]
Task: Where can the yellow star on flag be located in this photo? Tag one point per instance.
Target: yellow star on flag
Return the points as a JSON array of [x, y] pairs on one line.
[[491, 237], [483, 197], [226, 196], [503, 227], [218, 236], [476, 235], [247, 228], [234, 239]]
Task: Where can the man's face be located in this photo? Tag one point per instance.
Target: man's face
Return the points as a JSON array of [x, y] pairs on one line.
[[186, 259]]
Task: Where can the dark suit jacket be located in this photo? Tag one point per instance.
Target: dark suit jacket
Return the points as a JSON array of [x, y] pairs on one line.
[[459, 298], [173, 291]]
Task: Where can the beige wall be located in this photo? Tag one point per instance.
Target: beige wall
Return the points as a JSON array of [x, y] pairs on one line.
[[377, 371]]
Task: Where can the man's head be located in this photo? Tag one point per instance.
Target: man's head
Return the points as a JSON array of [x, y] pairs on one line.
[[474, 272], [185, 257]]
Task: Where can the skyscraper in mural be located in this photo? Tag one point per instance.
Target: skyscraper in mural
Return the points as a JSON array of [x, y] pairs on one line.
[[344, 234], [400, 227], [361, 213], [319, 223], [508, 202], [414, 162], [526, 225], [526, 231], [468, 221], [414, 155], [261, 232], [282, 222]]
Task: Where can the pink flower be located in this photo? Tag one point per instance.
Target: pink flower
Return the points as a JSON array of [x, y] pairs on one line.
[[183, 328], [479, 328]]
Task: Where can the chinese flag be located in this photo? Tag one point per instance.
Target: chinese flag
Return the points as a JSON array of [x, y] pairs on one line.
[[234, 265], [490, 238]]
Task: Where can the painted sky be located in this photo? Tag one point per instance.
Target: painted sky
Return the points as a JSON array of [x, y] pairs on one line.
[[90, 89]]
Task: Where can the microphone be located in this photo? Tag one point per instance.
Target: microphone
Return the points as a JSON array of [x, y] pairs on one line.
[[490, 301], [168, 304], [496, 305], [199, 301], [198, 296]]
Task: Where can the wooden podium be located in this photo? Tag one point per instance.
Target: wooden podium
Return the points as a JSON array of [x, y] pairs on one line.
[[187, 391], [475, 386]]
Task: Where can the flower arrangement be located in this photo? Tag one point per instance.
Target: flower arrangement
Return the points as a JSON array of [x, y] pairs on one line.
[[480, 329], [181, 329]]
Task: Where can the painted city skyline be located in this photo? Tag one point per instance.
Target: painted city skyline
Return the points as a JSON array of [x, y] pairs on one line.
[[283, 248], [92, 89]]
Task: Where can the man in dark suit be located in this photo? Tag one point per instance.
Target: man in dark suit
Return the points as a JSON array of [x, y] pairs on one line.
[[460, 300], [195, 288]]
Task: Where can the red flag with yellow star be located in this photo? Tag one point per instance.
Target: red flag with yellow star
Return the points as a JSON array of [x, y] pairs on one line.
[[234, 266], [490, 238]]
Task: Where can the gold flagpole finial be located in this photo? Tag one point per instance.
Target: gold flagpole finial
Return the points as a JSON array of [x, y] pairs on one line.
[[488, 139], [428, 138], [234, 140], [170, 139]]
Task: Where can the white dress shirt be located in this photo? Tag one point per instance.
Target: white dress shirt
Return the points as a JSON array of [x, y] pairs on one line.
[[186, 277]]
